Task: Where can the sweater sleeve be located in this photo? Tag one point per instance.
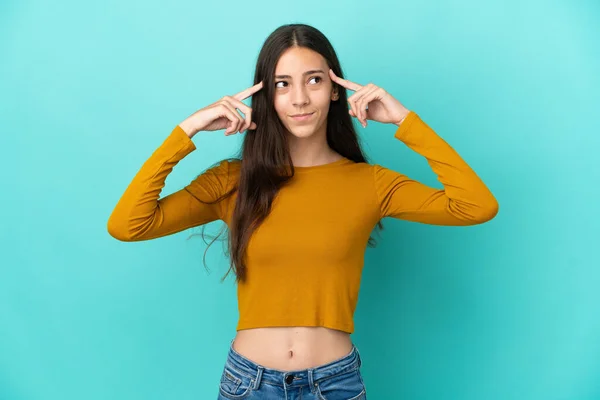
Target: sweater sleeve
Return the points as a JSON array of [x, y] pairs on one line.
[[141, 215], [465, 199]]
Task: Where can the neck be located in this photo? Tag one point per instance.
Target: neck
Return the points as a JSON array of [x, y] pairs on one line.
[[312, 150]]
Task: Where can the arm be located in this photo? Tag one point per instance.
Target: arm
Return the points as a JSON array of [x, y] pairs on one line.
[[140, 215], [465, 199]]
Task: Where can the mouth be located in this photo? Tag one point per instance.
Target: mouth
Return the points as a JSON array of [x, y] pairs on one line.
[[302, 117]]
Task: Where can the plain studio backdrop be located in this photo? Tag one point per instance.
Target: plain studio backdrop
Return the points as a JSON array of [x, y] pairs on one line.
[[505, 310]]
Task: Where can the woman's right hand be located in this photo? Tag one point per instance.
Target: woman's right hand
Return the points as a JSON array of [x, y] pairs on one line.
[[223, 115]]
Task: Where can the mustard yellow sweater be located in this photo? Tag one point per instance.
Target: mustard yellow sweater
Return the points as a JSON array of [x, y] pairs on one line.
[[305, 261]]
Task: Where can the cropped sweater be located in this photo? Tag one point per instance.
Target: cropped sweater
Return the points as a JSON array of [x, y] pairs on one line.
[[305, 261]]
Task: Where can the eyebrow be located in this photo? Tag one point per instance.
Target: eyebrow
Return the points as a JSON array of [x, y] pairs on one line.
[[312, 71]]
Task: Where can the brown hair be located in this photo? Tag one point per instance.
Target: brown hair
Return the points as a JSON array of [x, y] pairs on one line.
[[265, 150]]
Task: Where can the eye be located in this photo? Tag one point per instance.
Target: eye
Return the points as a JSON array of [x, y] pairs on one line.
[[314, 77]]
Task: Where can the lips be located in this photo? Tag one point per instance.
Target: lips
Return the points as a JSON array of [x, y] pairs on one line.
[[302, 117]]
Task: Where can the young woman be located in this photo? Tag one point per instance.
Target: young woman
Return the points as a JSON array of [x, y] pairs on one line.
[[300, 203]]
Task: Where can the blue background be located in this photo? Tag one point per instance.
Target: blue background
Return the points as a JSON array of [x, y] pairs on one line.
[[505, 310]]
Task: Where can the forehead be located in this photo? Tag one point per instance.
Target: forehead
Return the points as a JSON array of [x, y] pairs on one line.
[[296, 60]]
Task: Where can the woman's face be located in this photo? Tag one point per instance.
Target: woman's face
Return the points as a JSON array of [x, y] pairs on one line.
[[303, 86]]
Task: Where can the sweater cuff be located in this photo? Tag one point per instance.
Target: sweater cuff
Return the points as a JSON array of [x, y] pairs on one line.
[[404, 127]]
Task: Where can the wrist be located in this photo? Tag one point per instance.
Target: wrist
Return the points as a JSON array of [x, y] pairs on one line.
[[188, 128], [404, 115]]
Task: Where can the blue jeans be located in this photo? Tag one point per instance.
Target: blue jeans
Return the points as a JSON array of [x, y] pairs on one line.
[[337, 380]]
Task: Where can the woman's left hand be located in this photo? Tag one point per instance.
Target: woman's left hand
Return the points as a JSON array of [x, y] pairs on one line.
[[372, 102]]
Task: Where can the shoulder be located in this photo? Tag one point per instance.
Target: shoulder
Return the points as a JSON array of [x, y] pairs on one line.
[[218, 177], [225, 167], [369, 168]]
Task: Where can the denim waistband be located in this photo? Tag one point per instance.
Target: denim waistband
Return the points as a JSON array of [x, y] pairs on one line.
[[301, 377]]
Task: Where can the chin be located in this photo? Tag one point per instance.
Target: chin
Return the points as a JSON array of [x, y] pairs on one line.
[[302, 131]]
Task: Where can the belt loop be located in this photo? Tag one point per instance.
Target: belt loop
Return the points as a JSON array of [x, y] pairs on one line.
[[311, 383], [258, 377], [358, 354]]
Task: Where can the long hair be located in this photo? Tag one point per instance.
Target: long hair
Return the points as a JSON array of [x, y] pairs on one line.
[[265, 150]]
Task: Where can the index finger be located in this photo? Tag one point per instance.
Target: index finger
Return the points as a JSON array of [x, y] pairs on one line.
[[344, 82], [244, 94]]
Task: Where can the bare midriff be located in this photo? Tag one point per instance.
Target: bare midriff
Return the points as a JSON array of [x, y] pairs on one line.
[[292, 348]]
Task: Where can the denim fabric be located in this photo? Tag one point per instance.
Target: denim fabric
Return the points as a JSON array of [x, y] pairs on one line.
[[337, 380]]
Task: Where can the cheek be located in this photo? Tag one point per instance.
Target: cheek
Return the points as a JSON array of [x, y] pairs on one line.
[[322, 100], [279, 104]]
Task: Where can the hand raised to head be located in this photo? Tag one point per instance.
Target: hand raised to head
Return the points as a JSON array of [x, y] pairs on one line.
[[223, 114], [371, 102]]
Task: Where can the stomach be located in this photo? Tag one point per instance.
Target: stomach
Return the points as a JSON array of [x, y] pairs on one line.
[[292, 348]]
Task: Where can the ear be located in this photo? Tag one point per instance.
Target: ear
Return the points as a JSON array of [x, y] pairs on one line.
[[334, 93]]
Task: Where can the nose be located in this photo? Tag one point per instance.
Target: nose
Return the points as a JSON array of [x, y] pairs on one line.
[[299, 96]]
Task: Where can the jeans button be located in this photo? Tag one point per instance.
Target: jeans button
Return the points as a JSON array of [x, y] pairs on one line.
[[289, 379]]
